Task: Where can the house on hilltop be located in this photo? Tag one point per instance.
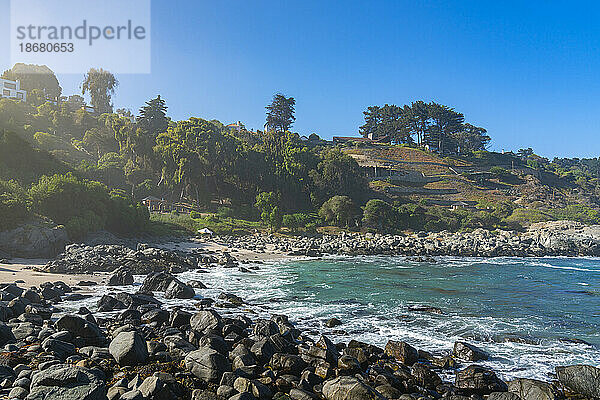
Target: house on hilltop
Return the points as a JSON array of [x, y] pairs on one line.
[[12, 90]]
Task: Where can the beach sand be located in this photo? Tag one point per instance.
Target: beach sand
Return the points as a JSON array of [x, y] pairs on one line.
[[23, 270]]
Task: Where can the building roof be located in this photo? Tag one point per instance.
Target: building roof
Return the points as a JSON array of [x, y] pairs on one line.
[[353, 138], [151, 198]]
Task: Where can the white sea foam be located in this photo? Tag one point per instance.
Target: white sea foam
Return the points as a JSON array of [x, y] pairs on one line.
[[523, 345]]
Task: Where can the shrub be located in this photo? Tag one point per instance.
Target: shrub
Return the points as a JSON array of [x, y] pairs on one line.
[[380, 215], [86, 206], [195, 215], [13, 205], [225, 212], [339, 210]]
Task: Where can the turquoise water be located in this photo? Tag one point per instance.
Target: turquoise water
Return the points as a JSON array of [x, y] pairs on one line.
[[530, 314]]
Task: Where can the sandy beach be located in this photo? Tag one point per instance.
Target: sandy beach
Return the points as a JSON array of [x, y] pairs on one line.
[[26, 273]]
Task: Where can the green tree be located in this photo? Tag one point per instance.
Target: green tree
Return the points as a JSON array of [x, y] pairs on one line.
[[280, 113], [153, 117], [380, 215], [339, 210], [337, 174], [101, 85], [13, 205], [470, 138], [445, 122], [270, 211]]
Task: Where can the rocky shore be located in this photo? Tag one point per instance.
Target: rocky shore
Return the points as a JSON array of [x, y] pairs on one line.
[[561, 238], [132, 346]]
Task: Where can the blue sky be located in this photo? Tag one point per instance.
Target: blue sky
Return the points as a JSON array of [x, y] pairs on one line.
[[526, 71]]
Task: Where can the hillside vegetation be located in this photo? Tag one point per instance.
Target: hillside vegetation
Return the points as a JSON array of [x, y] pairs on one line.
[[427, 169]]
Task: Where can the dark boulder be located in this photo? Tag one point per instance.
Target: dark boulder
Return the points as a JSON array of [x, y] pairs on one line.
[[476, 379], [120, 277], [349, 388], [582, 379], [402, 352], [207, 364], [129, 348], [61, 382], [468, 352], [179, 290]]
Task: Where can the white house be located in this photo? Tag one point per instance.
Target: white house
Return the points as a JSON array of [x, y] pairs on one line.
[[12, 90]]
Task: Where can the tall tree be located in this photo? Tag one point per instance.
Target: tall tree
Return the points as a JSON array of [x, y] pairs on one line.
[[386, 124], [446, 122], [101, 85], [153, 117], [280, 113], [470, 138]]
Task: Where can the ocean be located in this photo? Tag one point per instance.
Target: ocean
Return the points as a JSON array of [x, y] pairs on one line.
[[529, 314]]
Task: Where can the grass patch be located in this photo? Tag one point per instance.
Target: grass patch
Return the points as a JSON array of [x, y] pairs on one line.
[[184, 224]]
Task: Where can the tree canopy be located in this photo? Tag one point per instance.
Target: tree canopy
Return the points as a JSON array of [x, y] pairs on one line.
[[101, 85], [280, 113]]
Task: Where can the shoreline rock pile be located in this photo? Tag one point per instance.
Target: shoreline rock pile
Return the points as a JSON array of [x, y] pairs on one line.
[[82, 259], [143, 350], [561, 238]]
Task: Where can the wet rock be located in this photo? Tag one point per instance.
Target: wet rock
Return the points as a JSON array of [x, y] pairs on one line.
[[89, 332], [333, 322], [109, 303], [129, 348], [476, 379], [532, 389], [582, 379], [349, 388], [402, 352], [468, 352], [6, 335], [179, 290], [120, 277], [287, 363]]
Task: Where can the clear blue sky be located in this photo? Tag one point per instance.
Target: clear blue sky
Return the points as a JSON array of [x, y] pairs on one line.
[[529, 72]]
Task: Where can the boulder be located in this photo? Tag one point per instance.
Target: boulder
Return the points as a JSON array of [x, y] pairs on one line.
[[120, 277], [79, 327], [34, 240], [60, 348], [582, 379], [468, 352], [179, 290], [109, 303], [349, 388], [129, 348], [402, 352], [6, 335], [207, 364], [532, 389], [62, 381], [157, 281], [205, 319], [287, 363], [479, 380], [503, 396], [161, 386]]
